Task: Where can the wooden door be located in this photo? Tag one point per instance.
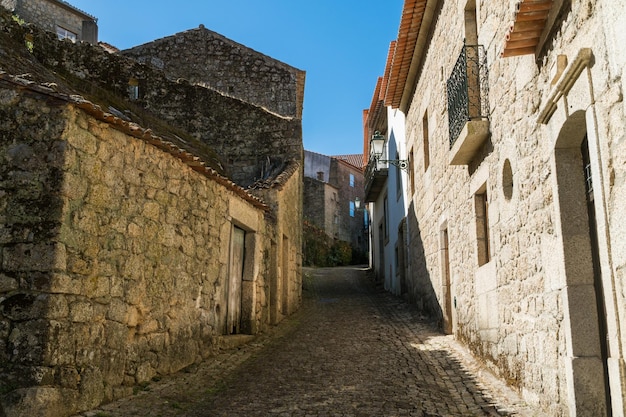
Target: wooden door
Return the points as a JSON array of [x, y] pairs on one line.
[[237, 250], [445, 263]]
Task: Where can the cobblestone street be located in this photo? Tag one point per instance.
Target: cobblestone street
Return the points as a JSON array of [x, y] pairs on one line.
[[349, 351]]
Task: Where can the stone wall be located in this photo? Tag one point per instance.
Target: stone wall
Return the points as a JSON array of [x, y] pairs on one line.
[[285, 251], [203, 57], [116, 223], [522, 311], [315, 202], [115, 258], [31, 174], [251, 148], [350, 227]]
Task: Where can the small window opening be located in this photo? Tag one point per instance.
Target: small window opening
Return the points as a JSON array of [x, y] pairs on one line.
[[133, 89], [63, 33], [507, 180], [426, 141], [481, 204]]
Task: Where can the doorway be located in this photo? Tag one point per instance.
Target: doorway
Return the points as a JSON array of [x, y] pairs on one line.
[[235, 280], [585, 295], [380, 276], [447, 288], [285, 277]]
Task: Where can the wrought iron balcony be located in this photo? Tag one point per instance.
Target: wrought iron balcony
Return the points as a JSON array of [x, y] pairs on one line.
[[468, 104], [376, 174]]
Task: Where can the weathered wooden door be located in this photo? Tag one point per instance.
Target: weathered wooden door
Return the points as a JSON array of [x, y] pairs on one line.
[[445, 263], [237, 250]]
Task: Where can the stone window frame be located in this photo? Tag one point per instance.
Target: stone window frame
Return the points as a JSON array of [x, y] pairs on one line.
[[425, 140], [411, 171], [508, 180], [483, 231], [386, 218], [63, 33], [398, 178]]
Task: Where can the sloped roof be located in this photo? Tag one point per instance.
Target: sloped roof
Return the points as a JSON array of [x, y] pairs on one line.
[[410, 28], [356, 160], [194, 162]]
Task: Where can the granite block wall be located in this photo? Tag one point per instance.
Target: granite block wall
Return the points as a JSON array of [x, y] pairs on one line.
[[114, 261], [523, 310]]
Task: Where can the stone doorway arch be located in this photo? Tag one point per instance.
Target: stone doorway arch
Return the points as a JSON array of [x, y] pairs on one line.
[[588, 349]]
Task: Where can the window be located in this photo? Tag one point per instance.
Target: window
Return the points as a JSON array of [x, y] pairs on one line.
[[426, 140], [63, 33], [320, 175], [133, 92], [352, 208], [398, 178], [133, 89], [351, 180], [507, 180], [386, 217], [397, 259], [411, 170], [481, 205]]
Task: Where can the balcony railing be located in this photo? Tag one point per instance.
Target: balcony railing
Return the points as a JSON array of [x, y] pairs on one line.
[[468, 90], [375, 177]]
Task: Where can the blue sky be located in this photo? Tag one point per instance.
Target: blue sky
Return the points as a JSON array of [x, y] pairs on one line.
[[341, 44]]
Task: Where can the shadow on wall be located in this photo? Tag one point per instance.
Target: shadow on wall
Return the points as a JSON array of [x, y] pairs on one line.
[[419, 284]]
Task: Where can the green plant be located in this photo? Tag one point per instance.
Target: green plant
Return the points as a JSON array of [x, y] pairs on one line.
[[19, 20], [29, 44]]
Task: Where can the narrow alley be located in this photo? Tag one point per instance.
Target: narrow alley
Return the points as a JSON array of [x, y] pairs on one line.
[[349, 351]]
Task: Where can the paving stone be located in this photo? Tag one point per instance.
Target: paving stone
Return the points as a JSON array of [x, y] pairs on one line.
[[365, 353]]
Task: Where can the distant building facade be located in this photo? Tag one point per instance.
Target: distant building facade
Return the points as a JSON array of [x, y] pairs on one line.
[[226, 66], [56, 16], [333, 190]]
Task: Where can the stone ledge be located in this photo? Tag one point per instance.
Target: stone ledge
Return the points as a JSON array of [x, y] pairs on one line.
[[469, 142]]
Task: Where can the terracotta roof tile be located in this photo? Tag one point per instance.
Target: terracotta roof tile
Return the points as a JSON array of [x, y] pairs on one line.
[[410, 25], [356, 160]]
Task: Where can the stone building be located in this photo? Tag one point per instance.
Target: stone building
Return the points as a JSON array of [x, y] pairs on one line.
[[57, 16], [516, 155], [226, 66], [333, 186], [384, 191], [129, 247]]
